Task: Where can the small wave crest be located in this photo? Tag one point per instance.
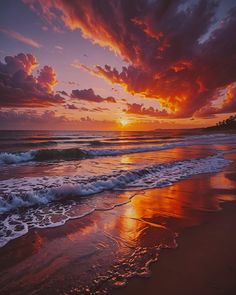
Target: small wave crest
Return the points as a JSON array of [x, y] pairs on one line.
[[42, 155], [14, 158]]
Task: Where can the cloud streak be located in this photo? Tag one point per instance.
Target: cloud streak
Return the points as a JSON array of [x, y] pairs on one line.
[[19, 37]]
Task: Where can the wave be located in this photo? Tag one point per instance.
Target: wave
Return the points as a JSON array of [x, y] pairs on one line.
[[125, 142], [78, 154], [38, 205], [28, 144], [72, 154], [42, 155], [48, 189], [92, 143], [14, 158], [59, 137]]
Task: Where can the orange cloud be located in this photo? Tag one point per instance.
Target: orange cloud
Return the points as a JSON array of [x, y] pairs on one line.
[[47, 78]]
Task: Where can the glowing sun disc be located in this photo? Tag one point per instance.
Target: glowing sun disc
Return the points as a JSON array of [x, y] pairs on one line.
[[124, 121]]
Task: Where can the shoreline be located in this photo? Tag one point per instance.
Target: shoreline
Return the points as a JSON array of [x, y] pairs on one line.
[[53, 260]]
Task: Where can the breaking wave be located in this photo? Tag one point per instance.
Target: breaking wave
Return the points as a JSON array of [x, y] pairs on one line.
[[42, 190]]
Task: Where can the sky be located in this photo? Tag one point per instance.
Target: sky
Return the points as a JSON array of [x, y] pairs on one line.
[[116, 65]]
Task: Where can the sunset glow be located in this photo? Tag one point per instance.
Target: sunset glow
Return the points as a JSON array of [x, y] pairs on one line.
[[124, 122], [64, 66], [117, 147]]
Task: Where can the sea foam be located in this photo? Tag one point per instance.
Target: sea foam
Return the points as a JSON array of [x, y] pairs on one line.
[[43, 193], [42, 190]]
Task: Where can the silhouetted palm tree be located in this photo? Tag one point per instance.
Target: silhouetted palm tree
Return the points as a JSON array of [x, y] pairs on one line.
[[227, 124]]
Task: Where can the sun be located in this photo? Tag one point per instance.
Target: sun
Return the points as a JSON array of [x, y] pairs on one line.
[[124, 122]]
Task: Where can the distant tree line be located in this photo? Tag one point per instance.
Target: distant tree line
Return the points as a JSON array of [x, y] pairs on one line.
[[230, 122], [227, 124]]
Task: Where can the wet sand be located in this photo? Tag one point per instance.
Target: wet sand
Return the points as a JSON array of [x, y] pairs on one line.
[[204, 262], [59, 260]]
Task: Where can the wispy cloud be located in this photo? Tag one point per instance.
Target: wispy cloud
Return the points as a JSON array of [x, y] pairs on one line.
[[58, 47], [20, 37]]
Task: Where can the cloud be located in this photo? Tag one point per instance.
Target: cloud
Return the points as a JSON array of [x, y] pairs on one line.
[[58, 47], [72, 83], [227, 105], [63, 92], [24, 62], [99, 109], [178, 51], [86, 119], [84, 109], [49, 120], [89, 95], [139, 109], [229, 102], [47, 78], [20, 88], [10, 119], [71, 107], [21, 38]]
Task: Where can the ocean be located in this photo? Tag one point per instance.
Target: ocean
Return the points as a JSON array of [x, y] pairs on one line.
[[49, 178]]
